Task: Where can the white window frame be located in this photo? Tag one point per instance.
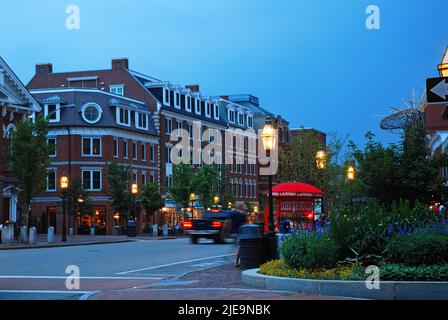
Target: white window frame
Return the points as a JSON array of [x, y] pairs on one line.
[[208, 109], [91, 179], [134, 149], [95, 105], [57, 112], [230, 112], [112, 89], [166, 96], [116, 145], [197, 106], [177, 98], [137, 120], [144, 152], [117, 113], [240, 113], [152, 149], [250, 121], [152, 178], [126, 150], [168, 120], [188, 103], [91, 147], [55, 154], [216, 112], [52, 170]]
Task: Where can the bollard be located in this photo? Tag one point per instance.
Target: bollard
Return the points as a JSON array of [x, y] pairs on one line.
[[50, 236], [23, 234], [165, 230], [10, 234], [92, 231], [32, 238], [155, 230], [71, 232]]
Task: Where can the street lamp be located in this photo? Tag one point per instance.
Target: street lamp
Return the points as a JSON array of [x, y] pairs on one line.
[[321, 160], [216, 200], [64, 187], [134, 191], [192, 200], [351, 176], [269, 137]]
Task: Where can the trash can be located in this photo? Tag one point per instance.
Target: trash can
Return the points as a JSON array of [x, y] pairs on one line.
[[131, 229], [252, 247]]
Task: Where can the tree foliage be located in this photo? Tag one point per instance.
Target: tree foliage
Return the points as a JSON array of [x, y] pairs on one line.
[[118, 177], [151, 199], [182, 184], [28, 158], [206, 184]]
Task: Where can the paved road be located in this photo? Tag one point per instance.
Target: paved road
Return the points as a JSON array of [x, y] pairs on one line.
[[40, 273], [144, 269]]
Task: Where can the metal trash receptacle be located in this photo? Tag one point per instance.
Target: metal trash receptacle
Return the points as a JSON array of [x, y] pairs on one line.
[[252, 248], [131, 229]]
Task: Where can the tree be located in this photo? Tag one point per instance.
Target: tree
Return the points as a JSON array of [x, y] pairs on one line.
[[77, 200], [118, 179], [29, 157], [206, 185], [151, 199], [182, 184], [226, 195]]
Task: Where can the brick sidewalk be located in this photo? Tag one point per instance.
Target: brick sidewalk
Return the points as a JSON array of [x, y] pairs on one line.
[[219, 283], [77, 241]]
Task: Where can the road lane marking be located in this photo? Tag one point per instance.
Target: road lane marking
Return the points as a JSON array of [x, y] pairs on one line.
[[85, 278], [45, 291], [175, 263]]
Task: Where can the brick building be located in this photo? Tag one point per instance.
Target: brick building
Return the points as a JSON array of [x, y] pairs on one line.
[[172, 107], [90, 128], [16, 103]]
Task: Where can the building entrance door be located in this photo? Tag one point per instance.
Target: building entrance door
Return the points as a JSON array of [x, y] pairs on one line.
[[5, 213], [52, 221]]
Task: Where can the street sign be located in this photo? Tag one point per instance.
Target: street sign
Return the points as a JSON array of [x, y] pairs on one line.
[[437, 90]]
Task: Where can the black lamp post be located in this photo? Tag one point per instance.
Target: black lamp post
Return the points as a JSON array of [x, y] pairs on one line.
[[64, 187], [134, 191], [269, 138], [351, 175]]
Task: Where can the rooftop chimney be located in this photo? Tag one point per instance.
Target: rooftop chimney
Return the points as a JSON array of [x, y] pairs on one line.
[[44, 68], [120, 63], [193, 87]]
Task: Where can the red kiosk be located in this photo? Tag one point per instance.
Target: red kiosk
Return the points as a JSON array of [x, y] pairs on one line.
[[296, 201]]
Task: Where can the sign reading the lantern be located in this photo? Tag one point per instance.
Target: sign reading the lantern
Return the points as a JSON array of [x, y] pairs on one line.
[[296, 206], [437, 90]]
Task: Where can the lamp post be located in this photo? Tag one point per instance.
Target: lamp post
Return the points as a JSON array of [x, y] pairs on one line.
[[351, 176], [216, 201], [192, 199], [321, 160], [269, 137], [64, 187], [134, 191]]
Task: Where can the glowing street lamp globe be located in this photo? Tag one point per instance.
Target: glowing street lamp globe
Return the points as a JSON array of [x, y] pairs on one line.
[[269, 137], [64, 182]]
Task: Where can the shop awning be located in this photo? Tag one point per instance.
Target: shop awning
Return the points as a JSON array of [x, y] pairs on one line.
[[296, 190]]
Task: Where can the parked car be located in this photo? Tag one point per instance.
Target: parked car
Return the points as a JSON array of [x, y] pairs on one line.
[[212, 224]]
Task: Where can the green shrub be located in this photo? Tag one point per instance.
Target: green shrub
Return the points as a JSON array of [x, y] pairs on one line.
[[311, 251], [278, 268], [395, 272], [417, 248]]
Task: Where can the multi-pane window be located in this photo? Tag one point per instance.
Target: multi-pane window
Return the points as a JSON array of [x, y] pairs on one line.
[[177, 100], [216, 112], [188, 103], [51, 181], [125, 149], [91, 180], [197, 106], [166, 96], [52, 145], [250, 121], [124, 117], [152, 155], [190, 130], [144, 182], [241, 119], [118, 90], [168, 126], [232, 116], [152, 177], [134, 177], [115, 148], [169, 181], [52, 112], [208, 110], [141, 120], [168, 155], [143, 146], [91, 146], [134, 151]]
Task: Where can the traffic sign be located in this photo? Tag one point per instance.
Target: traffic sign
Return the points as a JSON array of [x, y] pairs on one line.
[[437, 90]]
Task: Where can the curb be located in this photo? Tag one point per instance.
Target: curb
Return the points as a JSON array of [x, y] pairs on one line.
[[65, 245], [389, 290]]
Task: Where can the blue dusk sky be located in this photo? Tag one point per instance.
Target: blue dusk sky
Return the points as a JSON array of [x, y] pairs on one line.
[[312, 61]]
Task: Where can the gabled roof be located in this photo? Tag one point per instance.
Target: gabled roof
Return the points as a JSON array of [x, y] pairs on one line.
[[33, 105]]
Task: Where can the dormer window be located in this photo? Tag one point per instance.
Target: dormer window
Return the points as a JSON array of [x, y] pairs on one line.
[[141, 120], [208, 110], [241, 118], [197, 106], [123, 117], [177, 100], [91, 113], [188, 103], [166, 96], [118, 90], [52, 112], [231, 115], [250, 121], [216, 112]]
